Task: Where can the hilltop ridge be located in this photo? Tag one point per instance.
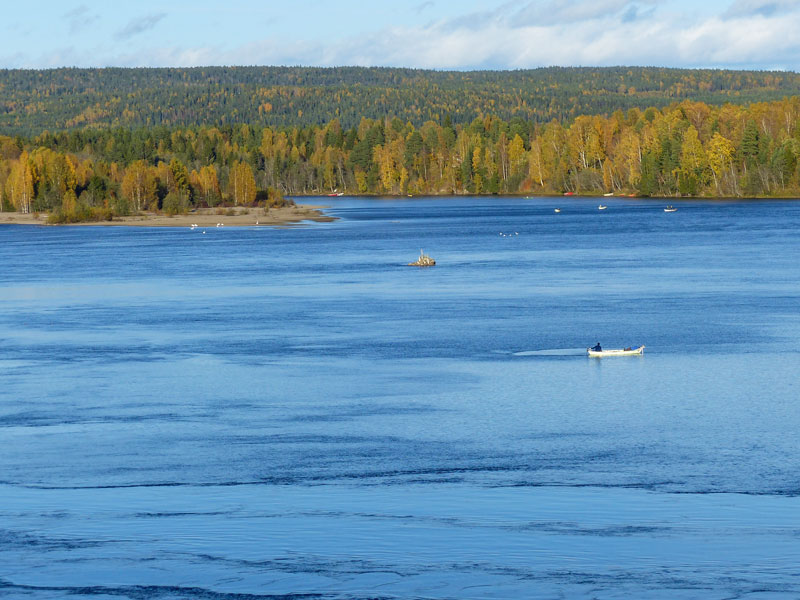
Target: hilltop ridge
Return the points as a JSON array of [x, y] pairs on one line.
[[33, 101]]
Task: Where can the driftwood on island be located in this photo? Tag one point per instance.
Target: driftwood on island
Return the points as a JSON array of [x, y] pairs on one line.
[[423, 261]]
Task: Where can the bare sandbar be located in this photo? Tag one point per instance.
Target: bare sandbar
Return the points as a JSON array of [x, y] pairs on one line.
[[202, 217]]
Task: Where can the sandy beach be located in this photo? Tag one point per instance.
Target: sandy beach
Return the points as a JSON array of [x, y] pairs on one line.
[[201, 217]]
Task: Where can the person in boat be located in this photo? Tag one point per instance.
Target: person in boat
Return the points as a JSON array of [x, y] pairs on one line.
[[597, 347]]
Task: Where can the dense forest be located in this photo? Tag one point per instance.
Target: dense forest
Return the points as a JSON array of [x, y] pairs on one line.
[[34, 101], [687, 148]]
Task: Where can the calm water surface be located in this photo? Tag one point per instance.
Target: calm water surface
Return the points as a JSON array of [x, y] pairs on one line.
[[293, 413]]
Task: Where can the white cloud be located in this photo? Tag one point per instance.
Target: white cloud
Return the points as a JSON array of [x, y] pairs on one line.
[[580, 32], [572, 12], [140, 25], [765, 8], [79, 18], [592, 39]]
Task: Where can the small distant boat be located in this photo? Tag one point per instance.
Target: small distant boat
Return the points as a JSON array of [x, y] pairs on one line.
[[602, 207], [609, 194], [622, 352], [670, 208], [569, 193], [558, 210]]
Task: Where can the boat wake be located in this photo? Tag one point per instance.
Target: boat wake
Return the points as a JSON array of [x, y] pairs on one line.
[[552, 352]]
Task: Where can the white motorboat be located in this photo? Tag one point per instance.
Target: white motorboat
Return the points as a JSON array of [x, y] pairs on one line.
[[602, 207], [670, 208], [558, 210], [622, 352]]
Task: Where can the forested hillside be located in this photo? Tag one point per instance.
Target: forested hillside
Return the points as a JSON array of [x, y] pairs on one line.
[[33, 101], [688, 148]]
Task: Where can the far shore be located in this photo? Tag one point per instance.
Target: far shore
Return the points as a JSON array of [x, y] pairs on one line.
[[207, 217]]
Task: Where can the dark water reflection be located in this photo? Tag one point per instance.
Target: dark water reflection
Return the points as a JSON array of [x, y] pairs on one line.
[[295, 413]]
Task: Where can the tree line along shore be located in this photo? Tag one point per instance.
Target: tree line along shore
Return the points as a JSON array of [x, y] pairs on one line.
[[686, 149]]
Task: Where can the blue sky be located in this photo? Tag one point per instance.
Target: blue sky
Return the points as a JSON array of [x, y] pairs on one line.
[[441, 34]]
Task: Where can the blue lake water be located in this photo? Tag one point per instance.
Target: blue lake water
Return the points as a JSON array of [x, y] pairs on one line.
[[294, 413]]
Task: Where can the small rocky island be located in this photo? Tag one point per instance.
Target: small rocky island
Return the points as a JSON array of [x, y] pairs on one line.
[[423, 261]]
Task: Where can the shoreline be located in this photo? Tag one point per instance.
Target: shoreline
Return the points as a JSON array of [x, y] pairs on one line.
[[287, 215], [554, 195]]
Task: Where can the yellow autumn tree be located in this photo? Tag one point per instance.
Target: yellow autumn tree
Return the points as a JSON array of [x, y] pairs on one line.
[[388, 157], [139, 185], [720, 151], [242, 184], [516, 154], [628, 158], [266, 147], [361, 181], [69, 202], [537, 172], [583, 143], [477, 179], [693, 161], [19, 185], [208, 184]]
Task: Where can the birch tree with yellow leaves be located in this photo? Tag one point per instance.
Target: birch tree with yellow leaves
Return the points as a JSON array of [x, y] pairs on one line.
[[242, 184]]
